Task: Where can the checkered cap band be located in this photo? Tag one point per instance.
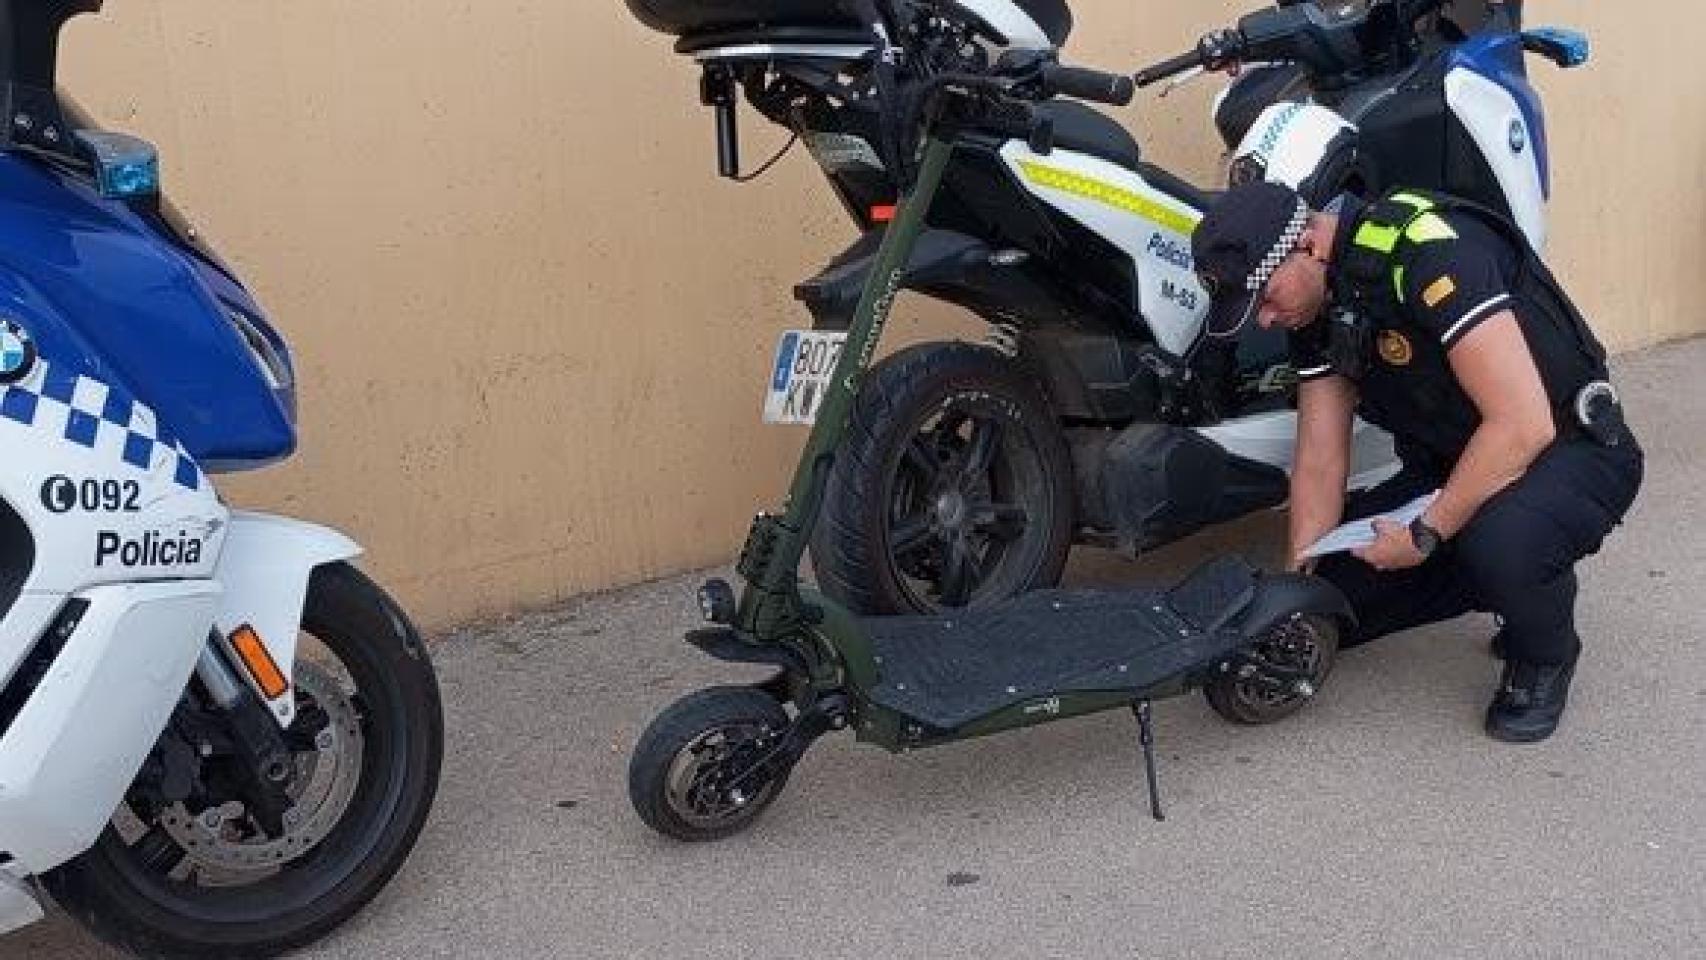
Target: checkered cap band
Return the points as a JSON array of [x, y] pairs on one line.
[[1281, 249]]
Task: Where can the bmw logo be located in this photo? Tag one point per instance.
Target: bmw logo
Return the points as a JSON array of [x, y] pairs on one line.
[[17, 352], [1519, 136]]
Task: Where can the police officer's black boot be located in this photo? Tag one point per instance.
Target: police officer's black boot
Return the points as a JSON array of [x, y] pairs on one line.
[[1530, 700]]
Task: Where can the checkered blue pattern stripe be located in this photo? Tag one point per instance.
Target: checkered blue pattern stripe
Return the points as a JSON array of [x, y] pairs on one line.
[[96, 415], [1282, 248]]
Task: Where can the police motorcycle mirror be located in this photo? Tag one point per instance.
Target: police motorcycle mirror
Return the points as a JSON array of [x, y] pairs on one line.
[[1259, 643], [30, 116], [123, 166]]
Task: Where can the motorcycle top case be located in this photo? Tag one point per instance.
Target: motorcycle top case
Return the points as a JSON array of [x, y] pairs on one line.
[[683, 17], [680, 17]]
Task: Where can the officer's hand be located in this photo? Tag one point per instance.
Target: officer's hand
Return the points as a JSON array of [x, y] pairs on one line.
[[1393, 548]]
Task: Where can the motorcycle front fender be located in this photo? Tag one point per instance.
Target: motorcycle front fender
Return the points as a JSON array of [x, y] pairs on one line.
[[265, 569]]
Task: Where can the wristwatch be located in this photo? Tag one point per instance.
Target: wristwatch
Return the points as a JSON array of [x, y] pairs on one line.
[[1426, 538]]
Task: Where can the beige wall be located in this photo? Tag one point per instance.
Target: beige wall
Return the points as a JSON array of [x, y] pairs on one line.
[[532, 326]]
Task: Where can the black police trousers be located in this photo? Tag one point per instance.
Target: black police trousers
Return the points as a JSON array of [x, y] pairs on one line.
[[1516, 558]]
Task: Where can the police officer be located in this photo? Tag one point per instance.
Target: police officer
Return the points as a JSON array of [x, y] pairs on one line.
[[1435, 320]]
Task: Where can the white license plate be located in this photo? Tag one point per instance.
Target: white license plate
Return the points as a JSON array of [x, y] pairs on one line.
[[800, 375]]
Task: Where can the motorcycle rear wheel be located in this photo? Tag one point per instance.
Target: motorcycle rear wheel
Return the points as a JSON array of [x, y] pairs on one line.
[[175, 883], [954, 487]]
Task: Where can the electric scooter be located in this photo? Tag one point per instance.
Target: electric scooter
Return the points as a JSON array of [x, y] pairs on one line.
[[1258, 644]]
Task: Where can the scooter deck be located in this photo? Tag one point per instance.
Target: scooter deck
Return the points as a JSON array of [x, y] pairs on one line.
[[948, 671]]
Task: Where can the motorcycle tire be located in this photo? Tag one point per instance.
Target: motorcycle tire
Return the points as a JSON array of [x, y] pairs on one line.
[[953, 488], [161, 895]]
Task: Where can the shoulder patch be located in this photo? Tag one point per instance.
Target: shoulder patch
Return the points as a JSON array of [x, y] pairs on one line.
[[1428, 228], [1438, 291]]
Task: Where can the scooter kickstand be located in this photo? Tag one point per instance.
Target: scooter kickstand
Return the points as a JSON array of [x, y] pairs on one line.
[[1146, 735]]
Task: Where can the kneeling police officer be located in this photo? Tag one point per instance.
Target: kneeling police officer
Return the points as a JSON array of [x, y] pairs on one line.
[[1436, 320]]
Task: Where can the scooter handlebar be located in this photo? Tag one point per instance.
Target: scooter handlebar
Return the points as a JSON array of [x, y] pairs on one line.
[[1168, 69], [1083, 83], [1213, 50]]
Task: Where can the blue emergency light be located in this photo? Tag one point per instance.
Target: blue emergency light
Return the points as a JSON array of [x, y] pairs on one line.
[[125, 166]]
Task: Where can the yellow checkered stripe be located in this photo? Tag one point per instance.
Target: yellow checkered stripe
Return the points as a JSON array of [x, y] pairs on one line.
[[1109, 194]]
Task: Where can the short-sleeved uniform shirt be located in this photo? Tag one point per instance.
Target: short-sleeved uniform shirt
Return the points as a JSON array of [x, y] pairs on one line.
[[1447, 287]]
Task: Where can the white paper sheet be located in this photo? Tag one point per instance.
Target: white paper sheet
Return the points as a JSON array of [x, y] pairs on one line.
[[1360, 533]]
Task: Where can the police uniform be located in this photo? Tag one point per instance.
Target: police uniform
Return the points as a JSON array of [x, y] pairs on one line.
[[1412, 276]]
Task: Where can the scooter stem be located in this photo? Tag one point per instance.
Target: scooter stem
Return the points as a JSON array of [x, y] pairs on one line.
[[770, 605]]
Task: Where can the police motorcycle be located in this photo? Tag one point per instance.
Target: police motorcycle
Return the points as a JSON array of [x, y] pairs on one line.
[[217, 737], [1259, 643], [1097, 411], [1258, 85], [1431, 94]]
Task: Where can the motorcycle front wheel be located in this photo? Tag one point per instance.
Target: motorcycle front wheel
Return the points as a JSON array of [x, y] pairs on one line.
[[202, 878]]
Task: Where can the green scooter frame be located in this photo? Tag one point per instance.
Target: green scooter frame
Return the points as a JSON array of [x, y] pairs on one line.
[[710, 763]]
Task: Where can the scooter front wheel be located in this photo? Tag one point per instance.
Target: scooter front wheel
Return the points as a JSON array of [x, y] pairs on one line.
[[1305, 645], [710, 763]]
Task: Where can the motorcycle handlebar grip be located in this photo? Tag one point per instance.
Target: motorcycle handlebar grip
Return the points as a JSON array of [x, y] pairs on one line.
[[1082, 83], [1169, 68]]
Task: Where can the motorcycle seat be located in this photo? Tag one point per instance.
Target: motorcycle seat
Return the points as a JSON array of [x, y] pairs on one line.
[[1082, 129], [703, 41], [1178, 189]]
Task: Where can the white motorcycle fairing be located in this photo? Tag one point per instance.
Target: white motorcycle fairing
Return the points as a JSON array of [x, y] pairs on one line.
[[1149, 226], [116, 533], [74, 748], [1495, 122], [1154, 229], [133, 565]]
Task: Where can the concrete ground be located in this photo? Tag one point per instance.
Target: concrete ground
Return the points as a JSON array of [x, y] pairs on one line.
[[1380, 822]]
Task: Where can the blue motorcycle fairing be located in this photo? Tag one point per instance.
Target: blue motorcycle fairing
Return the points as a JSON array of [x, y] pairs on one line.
[[1499, 58], [111, 295]]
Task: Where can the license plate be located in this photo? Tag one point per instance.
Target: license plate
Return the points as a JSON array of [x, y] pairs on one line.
[[800, 376]]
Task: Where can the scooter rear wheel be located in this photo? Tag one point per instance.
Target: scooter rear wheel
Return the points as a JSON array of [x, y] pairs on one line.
[[1307, 643], [708, 766]]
